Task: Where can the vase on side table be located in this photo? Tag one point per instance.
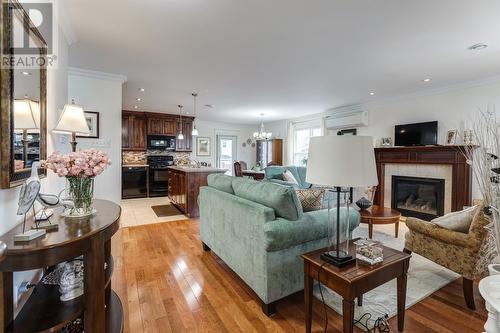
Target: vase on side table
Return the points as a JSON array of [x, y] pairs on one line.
[[80, 191]]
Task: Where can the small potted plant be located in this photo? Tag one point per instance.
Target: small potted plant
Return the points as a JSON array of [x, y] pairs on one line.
[[79, 168]]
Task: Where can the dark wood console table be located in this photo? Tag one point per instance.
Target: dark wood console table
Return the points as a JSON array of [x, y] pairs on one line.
[[91, 237]]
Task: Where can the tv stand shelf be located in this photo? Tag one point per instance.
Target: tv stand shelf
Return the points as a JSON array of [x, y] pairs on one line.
[[100, 308]]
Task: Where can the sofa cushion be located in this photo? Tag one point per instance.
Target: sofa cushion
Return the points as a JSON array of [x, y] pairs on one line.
[[282, 199], [221, 182], [282, 234], [311, 198], [289, 177], [457, 221]]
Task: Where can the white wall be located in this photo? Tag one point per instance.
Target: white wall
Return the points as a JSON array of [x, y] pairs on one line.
[[243, 132], [101, 92], [453, 109]]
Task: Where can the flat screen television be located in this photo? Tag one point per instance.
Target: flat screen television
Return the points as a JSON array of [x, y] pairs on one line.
[[418, 134]]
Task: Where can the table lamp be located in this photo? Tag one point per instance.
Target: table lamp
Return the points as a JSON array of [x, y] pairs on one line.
[[26, 117], [341, 161], [72, 121]]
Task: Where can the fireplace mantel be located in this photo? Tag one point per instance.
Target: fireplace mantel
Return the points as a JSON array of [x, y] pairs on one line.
[[448, 155]]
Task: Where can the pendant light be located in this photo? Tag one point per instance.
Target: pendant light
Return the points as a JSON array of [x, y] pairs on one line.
[[180, 136], [195, 130]]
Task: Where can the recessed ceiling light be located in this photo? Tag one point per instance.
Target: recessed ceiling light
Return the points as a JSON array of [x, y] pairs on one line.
[[478, 46], [136, 107], [372, 94], [427, 80], [138, 99], [26, 73], [210, 106], [142, 89]]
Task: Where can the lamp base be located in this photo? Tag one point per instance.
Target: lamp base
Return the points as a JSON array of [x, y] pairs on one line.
[[339, 260]]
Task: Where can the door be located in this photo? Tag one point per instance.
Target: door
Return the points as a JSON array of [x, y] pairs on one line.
[[125, 131], [226, 152], [138, 135]]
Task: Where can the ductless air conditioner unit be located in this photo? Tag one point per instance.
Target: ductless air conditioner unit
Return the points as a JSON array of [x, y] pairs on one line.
[[346, 117]]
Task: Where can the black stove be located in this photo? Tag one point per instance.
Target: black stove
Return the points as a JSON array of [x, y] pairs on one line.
[[158, 179]]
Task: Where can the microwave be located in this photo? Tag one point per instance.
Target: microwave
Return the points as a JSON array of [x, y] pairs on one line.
[[161, 142]]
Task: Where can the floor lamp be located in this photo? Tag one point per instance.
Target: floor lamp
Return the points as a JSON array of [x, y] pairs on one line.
[[341, 161]]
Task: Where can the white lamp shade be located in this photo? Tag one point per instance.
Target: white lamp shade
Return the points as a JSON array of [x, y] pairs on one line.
[[343, 160], [72, 120], [26, 114], [194, 132]]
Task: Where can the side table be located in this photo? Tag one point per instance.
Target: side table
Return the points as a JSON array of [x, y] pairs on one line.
[[380, 215], [354, 280]]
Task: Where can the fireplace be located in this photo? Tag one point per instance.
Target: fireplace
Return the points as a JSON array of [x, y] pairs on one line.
[[418, 197]]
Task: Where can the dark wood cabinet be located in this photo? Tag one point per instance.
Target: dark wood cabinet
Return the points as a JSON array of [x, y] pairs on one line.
[[133, 131], [136, 126], [184, 188], [270, 152], [185, 145]]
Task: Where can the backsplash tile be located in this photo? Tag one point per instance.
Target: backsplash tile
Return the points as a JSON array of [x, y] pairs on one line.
[[134, 157]]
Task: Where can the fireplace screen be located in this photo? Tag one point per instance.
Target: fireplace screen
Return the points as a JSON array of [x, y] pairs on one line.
[[418, 197]]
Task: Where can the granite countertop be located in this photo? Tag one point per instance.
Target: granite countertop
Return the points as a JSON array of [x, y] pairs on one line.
[[135, 165], [201, 169]]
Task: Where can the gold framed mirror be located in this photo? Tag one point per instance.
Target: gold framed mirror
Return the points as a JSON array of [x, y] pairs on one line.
[[23, 116]]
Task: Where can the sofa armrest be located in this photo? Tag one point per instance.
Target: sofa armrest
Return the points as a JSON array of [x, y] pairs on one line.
[[440, 234]]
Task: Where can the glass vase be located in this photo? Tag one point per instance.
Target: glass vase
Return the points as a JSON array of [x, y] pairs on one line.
[[80, 191]]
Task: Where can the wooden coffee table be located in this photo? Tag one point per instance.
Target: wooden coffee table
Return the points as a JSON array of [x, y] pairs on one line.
[[354, 280], [380, 215]]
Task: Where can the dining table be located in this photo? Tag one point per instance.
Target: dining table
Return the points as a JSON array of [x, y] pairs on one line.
[[257, 175]]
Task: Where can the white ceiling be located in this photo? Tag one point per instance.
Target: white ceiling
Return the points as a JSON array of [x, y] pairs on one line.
[[284, 58]]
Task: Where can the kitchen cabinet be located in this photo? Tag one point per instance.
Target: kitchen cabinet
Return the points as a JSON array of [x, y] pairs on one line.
[[185, 145], [136, 126], [184, 187], [270, 152], [133, 131]]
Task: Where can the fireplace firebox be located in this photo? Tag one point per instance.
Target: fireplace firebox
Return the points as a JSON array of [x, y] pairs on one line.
[[418, 197]]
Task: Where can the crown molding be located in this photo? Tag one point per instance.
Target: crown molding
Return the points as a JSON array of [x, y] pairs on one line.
[[96, 74], [437, 91]]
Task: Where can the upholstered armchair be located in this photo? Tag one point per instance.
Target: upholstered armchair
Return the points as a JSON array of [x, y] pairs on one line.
[[467, 254]]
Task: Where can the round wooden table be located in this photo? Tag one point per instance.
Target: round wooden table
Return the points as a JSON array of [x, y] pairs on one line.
[[380, 215]]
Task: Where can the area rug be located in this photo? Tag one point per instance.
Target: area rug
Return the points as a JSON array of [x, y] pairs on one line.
[[424, 278], [166, 210]]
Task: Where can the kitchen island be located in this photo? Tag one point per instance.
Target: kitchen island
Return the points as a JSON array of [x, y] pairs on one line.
[[184, 186]]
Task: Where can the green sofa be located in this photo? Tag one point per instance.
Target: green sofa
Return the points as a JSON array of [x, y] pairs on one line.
[[259, 230]]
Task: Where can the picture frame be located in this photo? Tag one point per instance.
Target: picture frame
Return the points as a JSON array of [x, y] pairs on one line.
[[451, 137], [203, 146], [350, 131], [386, 142], [92, 118]]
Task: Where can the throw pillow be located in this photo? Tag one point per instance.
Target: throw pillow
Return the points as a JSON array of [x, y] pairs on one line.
[[457, 221], [311, 198], [288, 177]]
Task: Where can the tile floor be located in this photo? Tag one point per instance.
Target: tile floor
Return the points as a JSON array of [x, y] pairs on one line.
[[138, 212]]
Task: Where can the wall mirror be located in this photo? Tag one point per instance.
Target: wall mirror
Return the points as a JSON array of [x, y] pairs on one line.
[[23, 98]]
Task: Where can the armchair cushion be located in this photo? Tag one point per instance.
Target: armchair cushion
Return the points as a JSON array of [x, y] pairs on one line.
[[457, 221], [439, 233]]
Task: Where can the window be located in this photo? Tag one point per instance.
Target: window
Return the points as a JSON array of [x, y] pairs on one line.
[[301, 138]]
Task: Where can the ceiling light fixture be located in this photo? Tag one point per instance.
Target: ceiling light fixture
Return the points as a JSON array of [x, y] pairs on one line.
[[372, 93], [427, 80], [136, 107], [26, 73], [478, 46], [180, 136], [194, 132], [142, 89], [210, 106], [262, 134], [138, 99]]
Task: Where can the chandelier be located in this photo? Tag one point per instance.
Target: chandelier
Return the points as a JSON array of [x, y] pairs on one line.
[[262, 134]]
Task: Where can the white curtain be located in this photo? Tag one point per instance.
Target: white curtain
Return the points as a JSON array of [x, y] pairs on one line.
[[290, 127]]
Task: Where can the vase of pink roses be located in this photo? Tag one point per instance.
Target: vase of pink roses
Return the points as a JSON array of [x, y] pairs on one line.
[[79, 168]]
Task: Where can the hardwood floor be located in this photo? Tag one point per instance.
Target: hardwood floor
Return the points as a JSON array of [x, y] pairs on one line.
[[168, 284]]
